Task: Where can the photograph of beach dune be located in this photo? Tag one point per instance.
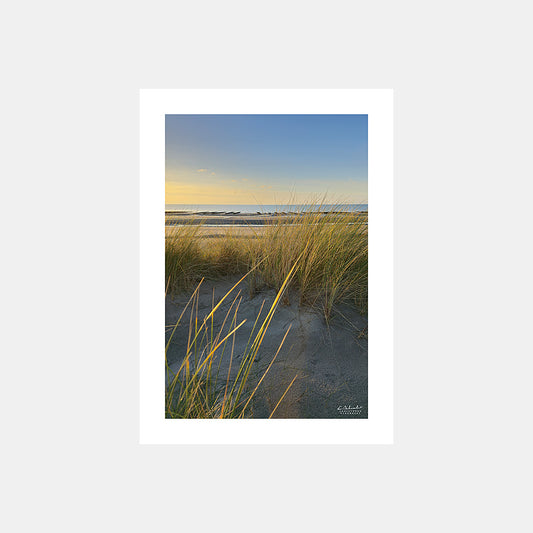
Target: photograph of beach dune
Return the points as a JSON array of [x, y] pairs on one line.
[[266, 266]]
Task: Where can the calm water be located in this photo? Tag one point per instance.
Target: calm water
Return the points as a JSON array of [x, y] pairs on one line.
[[255, 208]]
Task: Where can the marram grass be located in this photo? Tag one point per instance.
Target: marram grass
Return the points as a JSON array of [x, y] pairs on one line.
[[197, 389], [332, 247]]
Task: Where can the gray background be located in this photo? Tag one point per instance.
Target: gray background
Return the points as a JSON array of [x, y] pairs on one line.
[[69, 167]]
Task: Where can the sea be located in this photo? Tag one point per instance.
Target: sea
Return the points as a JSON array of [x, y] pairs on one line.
[[260, 208]]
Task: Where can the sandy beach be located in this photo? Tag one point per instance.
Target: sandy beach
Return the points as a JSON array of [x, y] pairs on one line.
[[216, 224], [232, 218], [211, 232], [329, 359]]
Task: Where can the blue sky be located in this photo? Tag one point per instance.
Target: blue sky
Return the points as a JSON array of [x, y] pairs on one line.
[[268, 159]]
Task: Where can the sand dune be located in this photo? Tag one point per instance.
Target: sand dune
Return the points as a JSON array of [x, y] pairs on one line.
[[330, 360]]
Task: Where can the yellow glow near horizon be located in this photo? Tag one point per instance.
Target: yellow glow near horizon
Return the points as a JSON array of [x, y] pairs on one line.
[[246, 191], [184, 193]]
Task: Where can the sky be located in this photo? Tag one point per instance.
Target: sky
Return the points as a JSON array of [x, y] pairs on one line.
[[265, 159]]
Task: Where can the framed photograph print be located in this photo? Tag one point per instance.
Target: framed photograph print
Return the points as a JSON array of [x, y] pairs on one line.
[[266, 266]]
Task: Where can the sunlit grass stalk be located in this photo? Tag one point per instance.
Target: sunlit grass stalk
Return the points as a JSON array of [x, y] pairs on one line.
[[193, 391], [251, 352]]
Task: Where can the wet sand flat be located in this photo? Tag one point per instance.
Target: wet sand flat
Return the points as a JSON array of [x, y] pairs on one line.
[[235, 219], [210, 232], [220, 219]]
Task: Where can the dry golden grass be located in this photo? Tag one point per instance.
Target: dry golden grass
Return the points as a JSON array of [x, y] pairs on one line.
[[332, 247]]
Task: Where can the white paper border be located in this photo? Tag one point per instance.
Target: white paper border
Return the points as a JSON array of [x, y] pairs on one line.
[[378, 105]]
